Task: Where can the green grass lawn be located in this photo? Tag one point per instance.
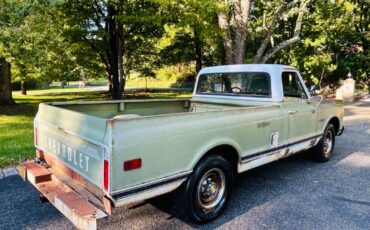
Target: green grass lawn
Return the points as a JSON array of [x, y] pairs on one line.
[[16, 122], [151, 83]]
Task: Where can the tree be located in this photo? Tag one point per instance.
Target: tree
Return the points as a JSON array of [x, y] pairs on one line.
[[120, 33], [95, 24], [14, 39], [191, 33], [235, 16], [5, 83], [31, 40], [362, 28], [61, 39], [330, 46], [262, 53], [142, 28]]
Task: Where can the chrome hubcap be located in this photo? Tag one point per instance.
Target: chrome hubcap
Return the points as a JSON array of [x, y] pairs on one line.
[[211, 189], [328, 143]]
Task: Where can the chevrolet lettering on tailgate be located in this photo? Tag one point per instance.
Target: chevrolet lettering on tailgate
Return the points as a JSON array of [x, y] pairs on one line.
[[79, 155], [65, 152]]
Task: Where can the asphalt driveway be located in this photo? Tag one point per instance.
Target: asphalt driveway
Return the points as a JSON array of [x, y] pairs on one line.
[[293, 193]]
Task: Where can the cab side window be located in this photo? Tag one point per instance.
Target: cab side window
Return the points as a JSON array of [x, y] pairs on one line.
[[292, 86]]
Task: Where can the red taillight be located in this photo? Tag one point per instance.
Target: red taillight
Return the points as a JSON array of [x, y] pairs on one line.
[[132, 164], [36, 136], [106, 175]]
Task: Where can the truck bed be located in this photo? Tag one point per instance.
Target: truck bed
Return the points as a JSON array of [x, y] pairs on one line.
[[84, 136], [141, 108]]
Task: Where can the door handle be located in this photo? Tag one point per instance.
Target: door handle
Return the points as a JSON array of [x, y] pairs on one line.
[[313, 110], [291, 112]]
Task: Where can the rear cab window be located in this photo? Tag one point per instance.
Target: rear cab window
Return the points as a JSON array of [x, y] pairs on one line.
[[235, 84]]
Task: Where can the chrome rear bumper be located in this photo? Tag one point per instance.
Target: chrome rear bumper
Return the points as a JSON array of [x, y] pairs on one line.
[[76, 208]]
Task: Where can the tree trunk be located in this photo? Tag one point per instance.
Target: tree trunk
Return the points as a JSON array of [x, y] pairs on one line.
[[146, 84], [198, 52], [234, 37], [5, 83], [240, 9], [110, 84], [223, 23], [23, 88], [365, 61], [113, 43], [120, 58]]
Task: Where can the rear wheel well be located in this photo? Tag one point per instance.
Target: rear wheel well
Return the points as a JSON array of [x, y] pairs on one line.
[[226, 151], [335, 122]]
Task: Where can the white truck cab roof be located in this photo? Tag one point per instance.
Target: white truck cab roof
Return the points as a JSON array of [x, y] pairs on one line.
[[274, 70]]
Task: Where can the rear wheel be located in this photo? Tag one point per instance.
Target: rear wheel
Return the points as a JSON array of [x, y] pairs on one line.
[[324, 149], [206, 193]]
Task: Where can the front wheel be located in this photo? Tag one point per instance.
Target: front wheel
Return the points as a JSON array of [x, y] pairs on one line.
[[324, 149], [206, 193]]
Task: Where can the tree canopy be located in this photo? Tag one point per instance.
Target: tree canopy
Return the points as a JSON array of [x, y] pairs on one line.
[[70, 40]]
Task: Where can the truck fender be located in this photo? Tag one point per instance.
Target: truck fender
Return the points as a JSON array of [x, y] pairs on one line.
[[335, 121], [212, 145]]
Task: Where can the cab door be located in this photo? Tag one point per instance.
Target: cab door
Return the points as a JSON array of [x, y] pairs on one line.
[[300, 112]]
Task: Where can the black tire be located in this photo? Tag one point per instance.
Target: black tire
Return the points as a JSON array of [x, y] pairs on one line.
[[203, 197], [324, 149]]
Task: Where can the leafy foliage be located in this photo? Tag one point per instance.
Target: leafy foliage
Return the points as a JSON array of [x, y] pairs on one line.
[[331, 47], [31, 39], [70, 40]]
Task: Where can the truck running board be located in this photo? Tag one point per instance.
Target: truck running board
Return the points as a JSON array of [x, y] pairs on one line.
[[78, 210]]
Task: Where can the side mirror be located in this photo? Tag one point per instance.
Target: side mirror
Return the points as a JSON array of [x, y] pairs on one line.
[[315, 90]]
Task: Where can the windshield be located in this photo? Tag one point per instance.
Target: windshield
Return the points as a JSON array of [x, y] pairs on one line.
[[235, 84]]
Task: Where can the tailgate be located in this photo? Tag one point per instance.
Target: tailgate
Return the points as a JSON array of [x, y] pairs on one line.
[[80, 154]]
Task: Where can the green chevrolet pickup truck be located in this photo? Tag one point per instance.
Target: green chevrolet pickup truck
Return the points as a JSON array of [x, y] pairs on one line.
[[95, 156]]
